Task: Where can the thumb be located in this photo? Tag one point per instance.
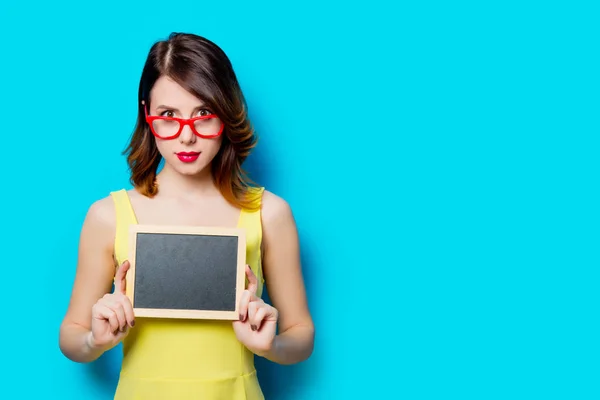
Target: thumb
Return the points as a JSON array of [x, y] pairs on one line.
[[120, 281]]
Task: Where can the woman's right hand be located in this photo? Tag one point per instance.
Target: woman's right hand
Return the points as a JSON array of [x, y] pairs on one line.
[[112, 315]]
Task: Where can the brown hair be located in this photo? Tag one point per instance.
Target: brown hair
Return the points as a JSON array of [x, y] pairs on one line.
[[202, 68]]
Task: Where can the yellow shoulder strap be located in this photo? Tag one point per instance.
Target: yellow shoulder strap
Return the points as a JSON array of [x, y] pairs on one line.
[[253, 218], [252, 222], [124, 217]]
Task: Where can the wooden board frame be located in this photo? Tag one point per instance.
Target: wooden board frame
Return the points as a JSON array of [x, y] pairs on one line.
[[187, 230]]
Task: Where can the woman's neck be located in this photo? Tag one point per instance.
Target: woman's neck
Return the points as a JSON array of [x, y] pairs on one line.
[[173, 184]]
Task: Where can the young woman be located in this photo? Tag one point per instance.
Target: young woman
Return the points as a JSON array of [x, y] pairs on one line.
[[191, 115]]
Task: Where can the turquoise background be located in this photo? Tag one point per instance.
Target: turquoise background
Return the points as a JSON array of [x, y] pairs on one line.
[[441, 159]]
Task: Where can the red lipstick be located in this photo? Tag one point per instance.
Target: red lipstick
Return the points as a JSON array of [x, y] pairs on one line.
[[188, 156]]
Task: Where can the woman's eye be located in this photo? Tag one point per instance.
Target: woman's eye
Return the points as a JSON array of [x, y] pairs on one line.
[[168, 113], [204, 112]]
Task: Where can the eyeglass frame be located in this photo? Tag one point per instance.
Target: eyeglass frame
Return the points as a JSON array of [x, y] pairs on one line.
[[182, 123]]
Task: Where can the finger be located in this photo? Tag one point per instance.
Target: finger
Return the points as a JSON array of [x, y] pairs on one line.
[[120, 281], [128, 309], [108, 314], [259, 317], [120, 313], [252, 281], [244, 301], [253, 308]]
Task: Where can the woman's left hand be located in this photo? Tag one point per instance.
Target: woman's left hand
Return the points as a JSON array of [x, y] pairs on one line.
[[258, 320]]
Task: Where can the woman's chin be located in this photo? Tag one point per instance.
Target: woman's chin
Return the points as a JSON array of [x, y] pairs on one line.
[[191, 169]]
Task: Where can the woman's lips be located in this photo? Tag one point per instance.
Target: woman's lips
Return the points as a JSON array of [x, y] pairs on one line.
[[188, 156]]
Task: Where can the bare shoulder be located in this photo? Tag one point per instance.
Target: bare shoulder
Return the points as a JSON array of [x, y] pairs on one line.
[[100, 221], [275, 209], [279, 226], [102, 213], [135, 195]]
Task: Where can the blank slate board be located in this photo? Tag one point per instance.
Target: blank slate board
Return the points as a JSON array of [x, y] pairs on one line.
[[186, 272]]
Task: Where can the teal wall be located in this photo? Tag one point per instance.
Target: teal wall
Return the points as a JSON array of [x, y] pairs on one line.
[[440, 158]]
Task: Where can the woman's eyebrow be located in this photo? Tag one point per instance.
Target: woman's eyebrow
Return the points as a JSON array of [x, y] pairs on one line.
[[165, 107]]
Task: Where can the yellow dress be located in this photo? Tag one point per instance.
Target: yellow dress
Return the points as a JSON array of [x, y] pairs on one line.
[[187, 359]]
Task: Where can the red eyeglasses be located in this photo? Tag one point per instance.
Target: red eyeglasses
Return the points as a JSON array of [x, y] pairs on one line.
[[207, 126]]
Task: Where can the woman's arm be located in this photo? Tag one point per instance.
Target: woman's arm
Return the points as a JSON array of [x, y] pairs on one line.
[[93, 279], [285, 283]]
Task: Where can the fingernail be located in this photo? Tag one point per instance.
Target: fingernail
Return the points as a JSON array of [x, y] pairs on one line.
[[241, 317], [132, 323], [253, 327]]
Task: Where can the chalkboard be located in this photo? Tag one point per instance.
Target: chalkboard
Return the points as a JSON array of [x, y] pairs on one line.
[[185, 271]]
